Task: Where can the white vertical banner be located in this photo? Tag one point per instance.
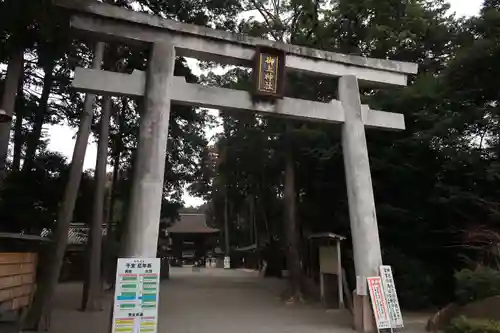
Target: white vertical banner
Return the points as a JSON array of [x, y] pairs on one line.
[[379, 304], [391, 296], [135, 307]]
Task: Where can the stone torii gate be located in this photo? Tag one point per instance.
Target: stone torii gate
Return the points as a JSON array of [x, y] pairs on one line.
[[168, 39]]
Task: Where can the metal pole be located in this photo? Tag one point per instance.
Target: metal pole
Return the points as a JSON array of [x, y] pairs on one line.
[[227, 245], [339, 276]]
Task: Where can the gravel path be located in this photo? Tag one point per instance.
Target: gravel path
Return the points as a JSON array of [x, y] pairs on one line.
[[224, 301], [210, 301]]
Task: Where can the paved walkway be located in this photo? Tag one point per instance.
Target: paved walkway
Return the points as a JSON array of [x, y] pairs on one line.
[[211, 301]]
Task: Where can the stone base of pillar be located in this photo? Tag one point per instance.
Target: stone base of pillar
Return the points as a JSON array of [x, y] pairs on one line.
[[364, 322]]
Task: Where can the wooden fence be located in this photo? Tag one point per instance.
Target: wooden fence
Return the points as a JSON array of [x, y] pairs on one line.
[[17, 280]]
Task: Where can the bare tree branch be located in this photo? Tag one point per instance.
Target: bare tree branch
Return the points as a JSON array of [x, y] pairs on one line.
[[268, 17]]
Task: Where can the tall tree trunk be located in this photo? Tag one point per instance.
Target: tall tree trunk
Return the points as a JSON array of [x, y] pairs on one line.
[[254, 223], [92, 286], [42, 302], [110, 234], [251, 221], [11, 87], [255, 231], [125, 207], [117, 149], [226, 222], [110, 243], [290, 223], [18, 130], [112, 198], [36, 132]]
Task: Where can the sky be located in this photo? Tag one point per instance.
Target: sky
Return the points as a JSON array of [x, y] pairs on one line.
[[62, 137]]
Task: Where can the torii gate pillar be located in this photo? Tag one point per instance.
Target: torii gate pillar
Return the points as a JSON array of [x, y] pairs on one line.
[[141, 238], [364, 228], [160, 88]]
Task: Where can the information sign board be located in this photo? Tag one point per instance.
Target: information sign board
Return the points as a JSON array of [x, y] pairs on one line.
[[135, 308], [379, 304], [391, 296]]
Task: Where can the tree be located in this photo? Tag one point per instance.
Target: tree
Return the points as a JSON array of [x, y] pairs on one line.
[[12, 82], [281, 22], [92, 284], [51, 43], [42, 302], [417, 31], [23, 198]]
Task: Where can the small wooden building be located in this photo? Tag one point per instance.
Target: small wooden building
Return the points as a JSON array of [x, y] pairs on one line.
[[191, 238], [325, 254]]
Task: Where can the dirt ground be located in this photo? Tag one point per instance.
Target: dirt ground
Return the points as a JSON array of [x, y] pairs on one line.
[[214, 301]]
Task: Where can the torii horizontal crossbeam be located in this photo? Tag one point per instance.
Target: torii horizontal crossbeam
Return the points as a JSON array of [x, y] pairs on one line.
[[120, 84], [112, 22]]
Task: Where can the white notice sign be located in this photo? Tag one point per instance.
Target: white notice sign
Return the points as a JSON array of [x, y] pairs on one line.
[[135, 308], [391, 296], [361, 285], [379, 303]]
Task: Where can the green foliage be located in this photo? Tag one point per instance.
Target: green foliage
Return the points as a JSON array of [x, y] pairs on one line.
[[433, 183], [30, 202], [413, 278], [466, 325], [219, 14], [473, 285]]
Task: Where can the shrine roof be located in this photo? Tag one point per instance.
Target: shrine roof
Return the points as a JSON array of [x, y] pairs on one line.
[[191, 224]]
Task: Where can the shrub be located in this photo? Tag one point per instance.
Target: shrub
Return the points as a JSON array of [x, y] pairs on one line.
[[413, 279], [475, 285], [466, 325]]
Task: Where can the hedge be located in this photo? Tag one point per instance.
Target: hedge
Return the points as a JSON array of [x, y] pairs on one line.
[[466, 325], [476, 285]]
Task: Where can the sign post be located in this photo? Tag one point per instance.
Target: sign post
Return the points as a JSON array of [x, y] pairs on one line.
[[135, 308], [379, 303], [391, 297]]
